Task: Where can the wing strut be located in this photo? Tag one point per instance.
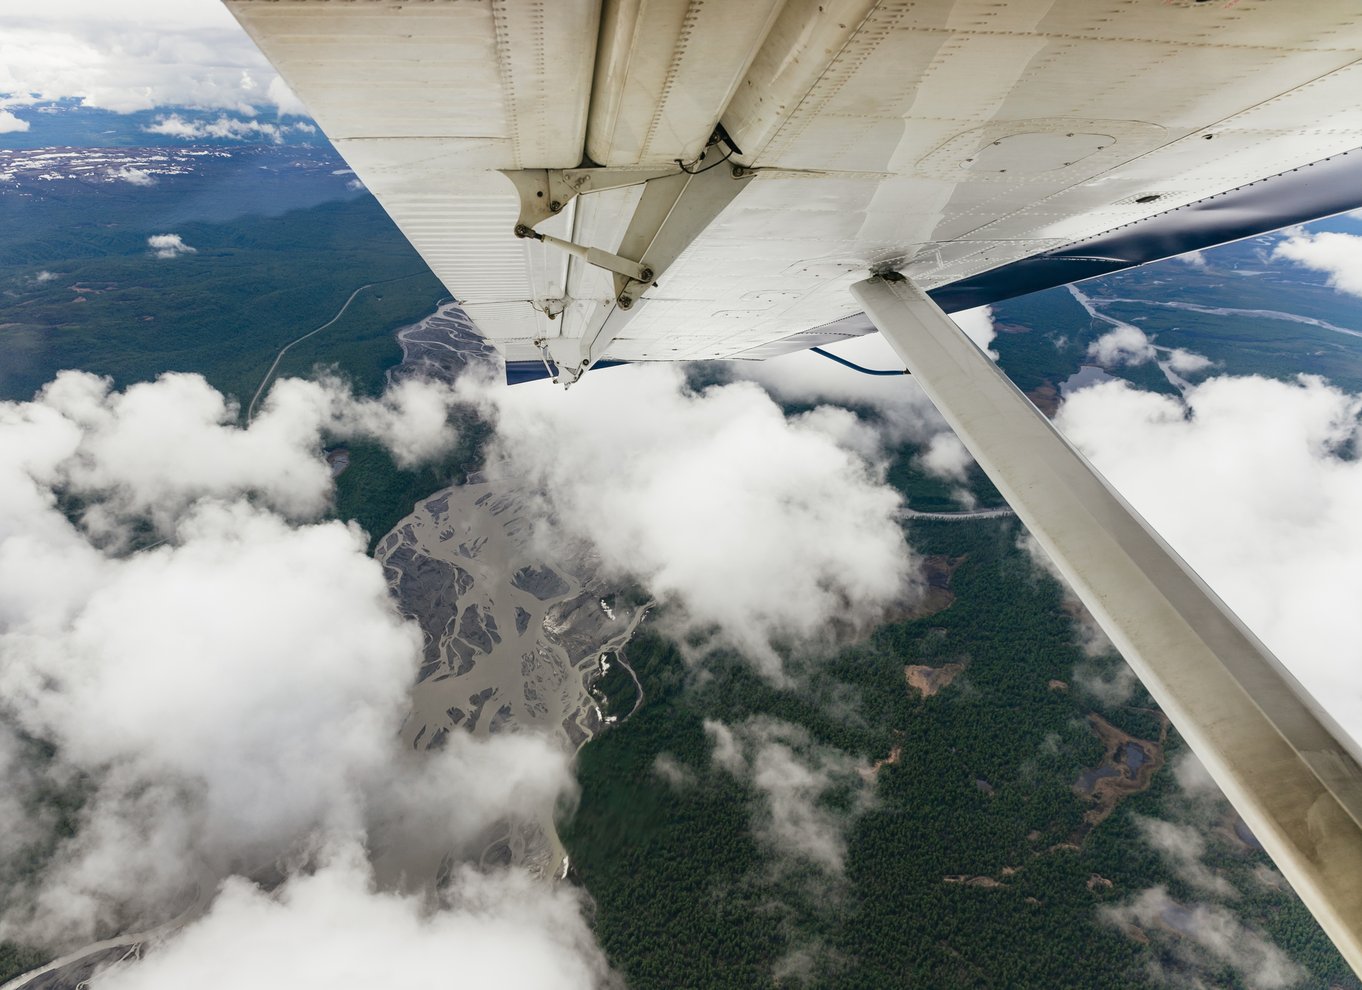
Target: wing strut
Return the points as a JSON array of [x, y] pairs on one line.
[[1279, 758]]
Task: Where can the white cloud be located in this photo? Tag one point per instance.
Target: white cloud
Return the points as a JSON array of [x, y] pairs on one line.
[[794, 777], [156, 449], [899, 402], [229, 128], [1182, 847], [283, 99], [1337, 255], [666, 768], [169, 246], [805, 377], [1200, 933], [1123, 345], [946, 457], [125, 57], [1193, 259], [978, 326], [10, 124], [132, 176], [1187, 362], [1109, 680], [762, 528], [1193, 777], [231, 696], [1256, 484], [331, 929]]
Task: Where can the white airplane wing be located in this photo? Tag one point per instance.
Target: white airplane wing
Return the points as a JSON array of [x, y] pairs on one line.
[[941, 138], [641, 180]]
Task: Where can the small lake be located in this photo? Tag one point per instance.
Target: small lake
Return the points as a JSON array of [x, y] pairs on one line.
[[1087, 779], [1085, 377], [1133, 756]]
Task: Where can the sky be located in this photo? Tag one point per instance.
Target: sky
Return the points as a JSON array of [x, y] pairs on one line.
[[133, 56], [230, 697]]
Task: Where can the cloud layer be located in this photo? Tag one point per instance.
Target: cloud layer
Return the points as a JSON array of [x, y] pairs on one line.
[[764, 528], [1256, 483], [135, 57], [1339, 256], [226, 703], [332, 929], [162, 245]]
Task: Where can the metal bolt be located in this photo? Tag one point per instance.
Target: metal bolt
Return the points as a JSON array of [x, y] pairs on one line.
[[625, 302], [646, 275], [555, 206], [521, 230]]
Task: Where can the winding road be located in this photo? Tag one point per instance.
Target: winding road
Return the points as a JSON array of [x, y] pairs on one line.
[[250, 410], [999, 512]]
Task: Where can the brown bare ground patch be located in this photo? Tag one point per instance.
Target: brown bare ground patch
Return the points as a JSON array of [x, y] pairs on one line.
[[937, 595], [927, 681], [1128, 765], [1046, 399], [969, 881], [1057, 685], [1098, 882], [870, 773]]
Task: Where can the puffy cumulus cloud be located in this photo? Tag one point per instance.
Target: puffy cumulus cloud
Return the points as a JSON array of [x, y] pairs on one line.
[[1255, 483], [156, 449], [794, 777], [282, 97], [132, 176], [227, 702], [1185, 362], [946, 457], [135, 57], [331, 928], [763, 529], [1193, 259], [411, 418], [978, 326], [169, 246], [228, 128], [1123, 345], [10, 124], [1201, 938], [1339, 256]]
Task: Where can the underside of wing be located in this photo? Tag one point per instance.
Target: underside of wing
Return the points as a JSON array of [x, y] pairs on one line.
[[945, 139]]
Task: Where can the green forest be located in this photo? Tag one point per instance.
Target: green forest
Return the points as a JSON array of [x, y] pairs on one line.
[[686, 894]]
